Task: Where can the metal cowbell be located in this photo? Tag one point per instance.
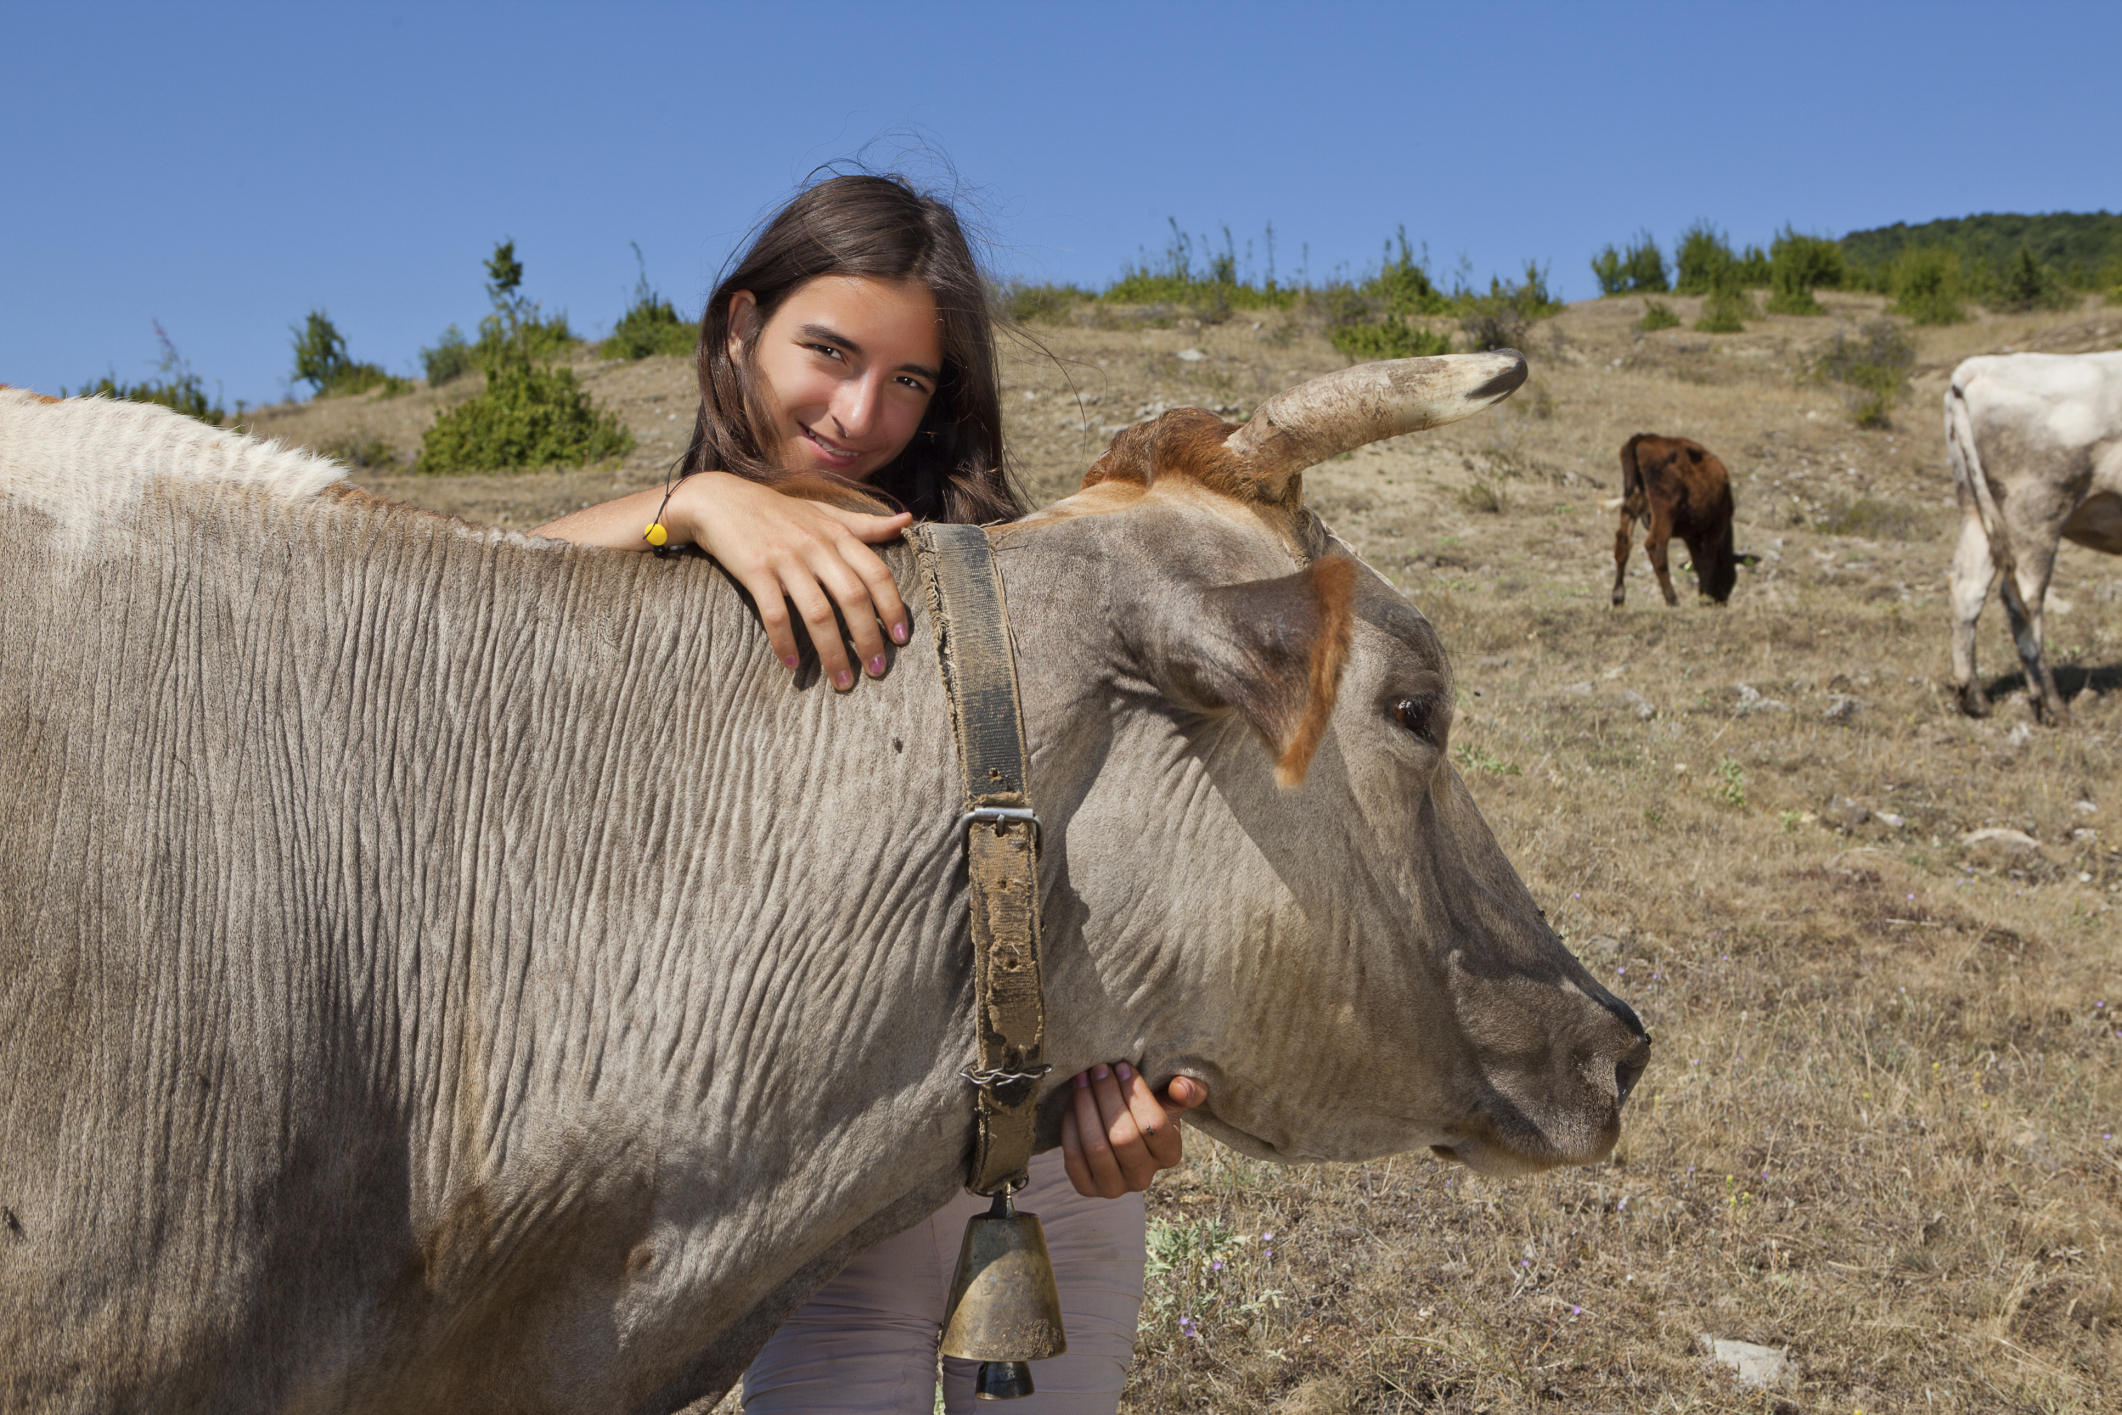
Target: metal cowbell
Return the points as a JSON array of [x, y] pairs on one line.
[[1004, 1307]]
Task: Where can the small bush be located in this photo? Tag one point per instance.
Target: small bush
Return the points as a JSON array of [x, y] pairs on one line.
[[1799, 265], [1484, 495], [1500, 318], [1403, 284], [321, 361], [450, 358], [1926, 285], [1640, 269], [1388, 338], [180, 388], [1872, 370], [1728, 307], [529, 415], [650, 324], [1656, 315], [1702, 260], [2027, 284], [1040, 304]]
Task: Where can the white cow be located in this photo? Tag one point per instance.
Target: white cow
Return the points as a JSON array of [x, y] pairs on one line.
[[2035, 442]]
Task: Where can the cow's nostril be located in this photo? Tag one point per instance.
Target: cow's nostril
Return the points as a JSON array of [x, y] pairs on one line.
[[1629, 1070]]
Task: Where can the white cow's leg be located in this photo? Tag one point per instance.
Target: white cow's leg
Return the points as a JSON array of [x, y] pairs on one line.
[[2025, 591], [1972, 574]]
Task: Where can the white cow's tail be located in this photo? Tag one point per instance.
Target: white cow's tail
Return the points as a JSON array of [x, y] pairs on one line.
[[1970, 484]]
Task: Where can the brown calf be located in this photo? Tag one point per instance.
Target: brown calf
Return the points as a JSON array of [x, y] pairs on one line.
[[1676, 488]]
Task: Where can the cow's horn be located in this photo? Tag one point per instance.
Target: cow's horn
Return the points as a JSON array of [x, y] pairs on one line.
[[1303, 426]]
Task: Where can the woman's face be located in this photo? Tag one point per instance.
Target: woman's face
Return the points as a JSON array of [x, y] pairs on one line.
[[849, 364]]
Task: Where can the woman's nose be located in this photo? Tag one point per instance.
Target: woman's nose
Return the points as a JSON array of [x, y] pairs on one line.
[[855, 406]]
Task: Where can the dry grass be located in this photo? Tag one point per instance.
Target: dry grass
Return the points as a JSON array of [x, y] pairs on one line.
[[1879, 1127]]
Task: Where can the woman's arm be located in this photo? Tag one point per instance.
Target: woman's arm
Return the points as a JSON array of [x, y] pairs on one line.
[[1116, 1135], [782, 549]]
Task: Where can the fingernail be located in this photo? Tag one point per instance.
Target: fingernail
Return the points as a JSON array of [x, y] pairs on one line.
[[1127, 1073], [899, 633], [843, 679], [790, 660], [876, 666], [1081, 1080], [1099, 1071]]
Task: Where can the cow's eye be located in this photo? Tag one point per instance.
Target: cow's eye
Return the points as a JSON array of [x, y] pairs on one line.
[[1413, 714]]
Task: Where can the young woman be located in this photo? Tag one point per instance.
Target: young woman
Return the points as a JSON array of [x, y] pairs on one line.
[[852, 345]]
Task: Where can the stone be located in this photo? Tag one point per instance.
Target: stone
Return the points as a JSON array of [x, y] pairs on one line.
[[1846, 813], [1841, 707], [1191, 356], [1642, 706], [2019, 736], [2085, 808], [1760, 1367], [2013, 842], [1889, 819], [1582, 690], [1750, 700]]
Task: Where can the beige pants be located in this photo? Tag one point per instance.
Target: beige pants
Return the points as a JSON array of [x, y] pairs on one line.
[[867, 1341]]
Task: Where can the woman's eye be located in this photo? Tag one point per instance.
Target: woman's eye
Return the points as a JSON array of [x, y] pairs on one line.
[[1413, 714], [826, 349]]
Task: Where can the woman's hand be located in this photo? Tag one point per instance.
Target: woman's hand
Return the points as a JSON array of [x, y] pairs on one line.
[[782, 549], [1115, 1135]]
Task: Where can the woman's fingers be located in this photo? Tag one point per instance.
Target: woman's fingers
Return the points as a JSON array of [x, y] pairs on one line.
[[1100, 1163]]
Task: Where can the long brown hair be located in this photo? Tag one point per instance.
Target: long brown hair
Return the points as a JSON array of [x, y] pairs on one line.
[[879, 227]]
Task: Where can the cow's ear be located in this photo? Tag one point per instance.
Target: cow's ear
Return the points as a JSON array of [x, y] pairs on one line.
[[1271, 650]]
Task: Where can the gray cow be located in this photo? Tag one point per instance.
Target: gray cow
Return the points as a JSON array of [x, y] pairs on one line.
[[442, 970], [2035, 442]]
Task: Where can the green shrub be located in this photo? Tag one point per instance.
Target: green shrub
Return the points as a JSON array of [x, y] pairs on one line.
[[1872, 369], [1702, 260], [450, 358], [180, 389], [1799, 265], [321, 361], [1214, 289], [1926, 285], [1657, 316], [1403, 285], [1729, 306], [1500, 318], [650, 324], [1039, 304], [1640, 269], [529, 415], [2026, 283], [1389, 338]]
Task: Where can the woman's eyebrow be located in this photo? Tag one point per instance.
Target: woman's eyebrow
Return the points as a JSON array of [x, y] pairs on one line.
[[826, 335]]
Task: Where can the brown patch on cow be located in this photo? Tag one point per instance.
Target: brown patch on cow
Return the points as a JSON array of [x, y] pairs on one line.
[[1292, 635], [40, 397], [1333, 583], [1189, 443]]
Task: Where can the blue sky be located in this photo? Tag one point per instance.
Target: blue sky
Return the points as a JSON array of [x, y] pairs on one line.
[[225, 169]]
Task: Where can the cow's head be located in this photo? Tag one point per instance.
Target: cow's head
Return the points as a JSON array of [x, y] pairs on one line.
[[1269, 875]]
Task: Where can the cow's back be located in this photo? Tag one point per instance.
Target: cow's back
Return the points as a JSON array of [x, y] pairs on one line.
[[167, 1087]]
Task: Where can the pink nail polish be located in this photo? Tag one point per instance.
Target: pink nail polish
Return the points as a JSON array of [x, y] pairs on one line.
[[876, 666], [900, 634], [1127, 1072], [790, 660], [1099, 1071], [843, 679], [1081, 1080]]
